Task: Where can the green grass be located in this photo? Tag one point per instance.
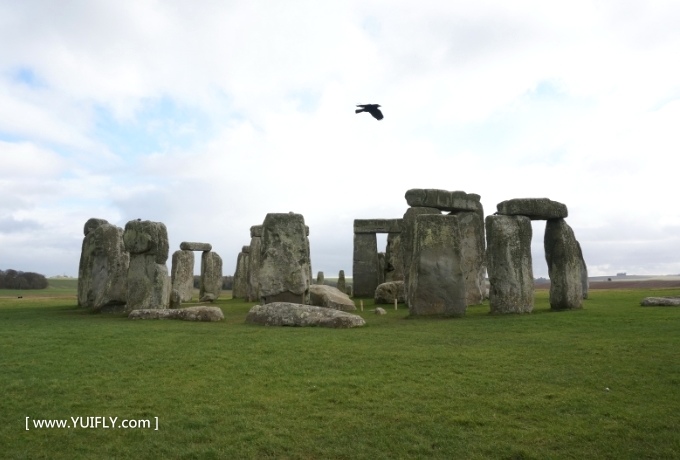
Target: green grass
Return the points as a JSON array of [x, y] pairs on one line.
[[515, 387]]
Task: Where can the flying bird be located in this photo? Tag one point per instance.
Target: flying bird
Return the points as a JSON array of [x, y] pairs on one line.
[[370, 108]]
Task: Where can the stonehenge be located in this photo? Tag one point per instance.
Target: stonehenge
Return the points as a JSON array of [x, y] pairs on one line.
[[436, 259]]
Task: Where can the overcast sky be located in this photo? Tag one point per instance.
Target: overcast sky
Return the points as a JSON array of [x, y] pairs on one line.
[[207, 115]]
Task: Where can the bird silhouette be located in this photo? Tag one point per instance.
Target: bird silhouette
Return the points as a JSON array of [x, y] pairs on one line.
[[370, 108]]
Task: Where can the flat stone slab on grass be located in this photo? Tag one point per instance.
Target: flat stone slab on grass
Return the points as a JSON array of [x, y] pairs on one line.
[[198, 313], [533, 208], [293, 314], [321, 295], [660, 302]]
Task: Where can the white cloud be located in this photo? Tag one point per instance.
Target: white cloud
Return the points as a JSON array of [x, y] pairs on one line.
[[207, 116]]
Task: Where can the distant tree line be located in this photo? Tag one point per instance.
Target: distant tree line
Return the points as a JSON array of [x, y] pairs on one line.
[[14, 279], [227, 282]]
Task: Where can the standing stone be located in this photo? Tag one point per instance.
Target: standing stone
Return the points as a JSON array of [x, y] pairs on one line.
[[508, 252], [474, 256], [211, 276], [182, 274], [585, 285], [365, 264], [381, 268], [102, 273], [240, 288], [394, 258], [320, 278], [564, 265], [342, 285], [285, 271], [254, 262], [408, 235], [436, 280], [148, 284]]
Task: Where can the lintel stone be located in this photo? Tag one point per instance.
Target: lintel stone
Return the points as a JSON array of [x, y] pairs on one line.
[[191, 246], [443, 200], [377, 226], [533, 208]]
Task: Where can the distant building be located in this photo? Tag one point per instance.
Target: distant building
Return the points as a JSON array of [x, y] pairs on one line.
[[621, 274]]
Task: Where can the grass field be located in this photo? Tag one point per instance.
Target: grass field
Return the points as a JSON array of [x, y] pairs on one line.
[[602, 382]]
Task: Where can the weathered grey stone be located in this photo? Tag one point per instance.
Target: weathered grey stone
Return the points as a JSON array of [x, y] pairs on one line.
[[377, 226], [508, 252], [192, 246], [292, 314], [102, 272], [254, 262], [327, 296], [474, 255], [381, 268], [148, 238], [285, 271], [198, 313], [380, 311], [564, 265], [92, 224], [320, 279], [436, 281], [408, 235], [585, 285], [207, 298], [387, 292], [365, 264], [175, 299], [148, 283], [211, 275], [394, 258], [443, 200], [256, 231], [182, 274], [342, 284], [533, 208], [660, 302], [240, 287]]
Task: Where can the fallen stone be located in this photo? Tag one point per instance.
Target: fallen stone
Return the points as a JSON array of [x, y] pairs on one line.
[[321, 295], [386, 293], [192, 246], [660, 302], [380, 311], [207, 298], [292, 314], [533, 208], [198, 313]]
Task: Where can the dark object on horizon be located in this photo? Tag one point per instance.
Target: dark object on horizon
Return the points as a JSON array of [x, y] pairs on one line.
[[370, 108]]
